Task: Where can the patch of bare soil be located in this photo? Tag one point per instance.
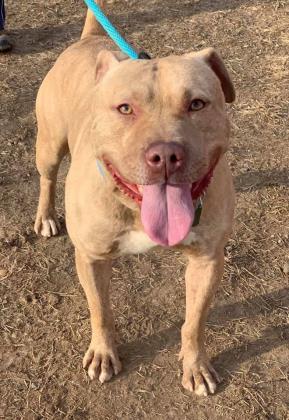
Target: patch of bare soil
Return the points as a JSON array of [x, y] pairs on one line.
[[44, 318]]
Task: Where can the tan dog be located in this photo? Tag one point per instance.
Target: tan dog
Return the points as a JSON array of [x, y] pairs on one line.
[[146, 137]]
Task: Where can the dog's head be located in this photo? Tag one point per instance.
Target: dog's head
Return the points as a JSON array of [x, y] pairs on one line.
[[160, 127]]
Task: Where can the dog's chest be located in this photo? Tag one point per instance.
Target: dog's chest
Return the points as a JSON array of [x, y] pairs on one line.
[[134, 242], [137, 242]]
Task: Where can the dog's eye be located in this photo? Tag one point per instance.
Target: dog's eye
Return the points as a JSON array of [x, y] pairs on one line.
[[125, 109], [197, 105]]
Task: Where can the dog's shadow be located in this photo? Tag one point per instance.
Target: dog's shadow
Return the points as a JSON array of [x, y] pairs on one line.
[[146, 349]]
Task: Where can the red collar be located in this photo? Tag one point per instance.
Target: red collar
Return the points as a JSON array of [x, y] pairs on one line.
[[199, 187]]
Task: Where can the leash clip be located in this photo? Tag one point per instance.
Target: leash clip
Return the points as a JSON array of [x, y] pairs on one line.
[[144, 56]]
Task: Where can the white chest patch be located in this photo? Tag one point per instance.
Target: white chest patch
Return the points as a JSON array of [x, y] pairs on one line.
[[190, 238], [135, 242]]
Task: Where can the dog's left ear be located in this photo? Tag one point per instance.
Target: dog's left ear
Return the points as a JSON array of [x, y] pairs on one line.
[[214, 61], [106, 60]]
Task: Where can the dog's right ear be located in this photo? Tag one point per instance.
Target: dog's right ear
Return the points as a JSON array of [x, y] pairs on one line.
[[214, 61], [106, 60]]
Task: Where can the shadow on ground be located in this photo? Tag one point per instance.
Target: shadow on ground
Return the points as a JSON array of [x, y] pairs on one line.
[[256, 180], [146, 349], [40, 39], [35, 40], [157, 13]]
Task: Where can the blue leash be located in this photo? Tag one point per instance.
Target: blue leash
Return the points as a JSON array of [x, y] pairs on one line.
[[113, 33]]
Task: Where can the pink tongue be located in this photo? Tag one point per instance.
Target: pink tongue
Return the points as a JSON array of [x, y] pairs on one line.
[[167, 212]]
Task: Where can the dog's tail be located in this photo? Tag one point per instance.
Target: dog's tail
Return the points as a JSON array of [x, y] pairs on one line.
[[91, 26]]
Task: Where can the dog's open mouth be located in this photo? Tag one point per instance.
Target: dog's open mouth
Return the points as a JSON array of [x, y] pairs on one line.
[[167, 210], [131, 190]]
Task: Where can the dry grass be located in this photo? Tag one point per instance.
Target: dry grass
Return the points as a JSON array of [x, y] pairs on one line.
[[45, 325]]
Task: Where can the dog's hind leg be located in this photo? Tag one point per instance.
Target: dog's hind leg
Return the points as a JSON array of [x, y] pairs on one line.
[[51, 147], [91, 26]]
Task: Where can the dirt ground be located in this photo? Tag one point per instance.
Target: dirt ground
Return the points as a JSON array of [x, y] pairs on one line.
[[44, 318]]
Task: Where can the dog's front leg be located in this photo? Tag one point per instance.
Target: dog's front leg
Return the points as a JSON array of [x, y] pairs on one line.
[[101, 358], [202, 278]]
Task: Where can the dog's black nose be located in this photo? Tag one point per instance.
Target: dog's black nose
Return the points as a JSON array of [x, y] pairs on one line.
[[165, 158]]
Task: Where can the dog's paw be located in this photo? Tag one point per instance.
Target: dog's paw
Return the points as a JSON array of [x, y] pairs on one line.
[[199, 376], [47, 226], [101, 361]]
